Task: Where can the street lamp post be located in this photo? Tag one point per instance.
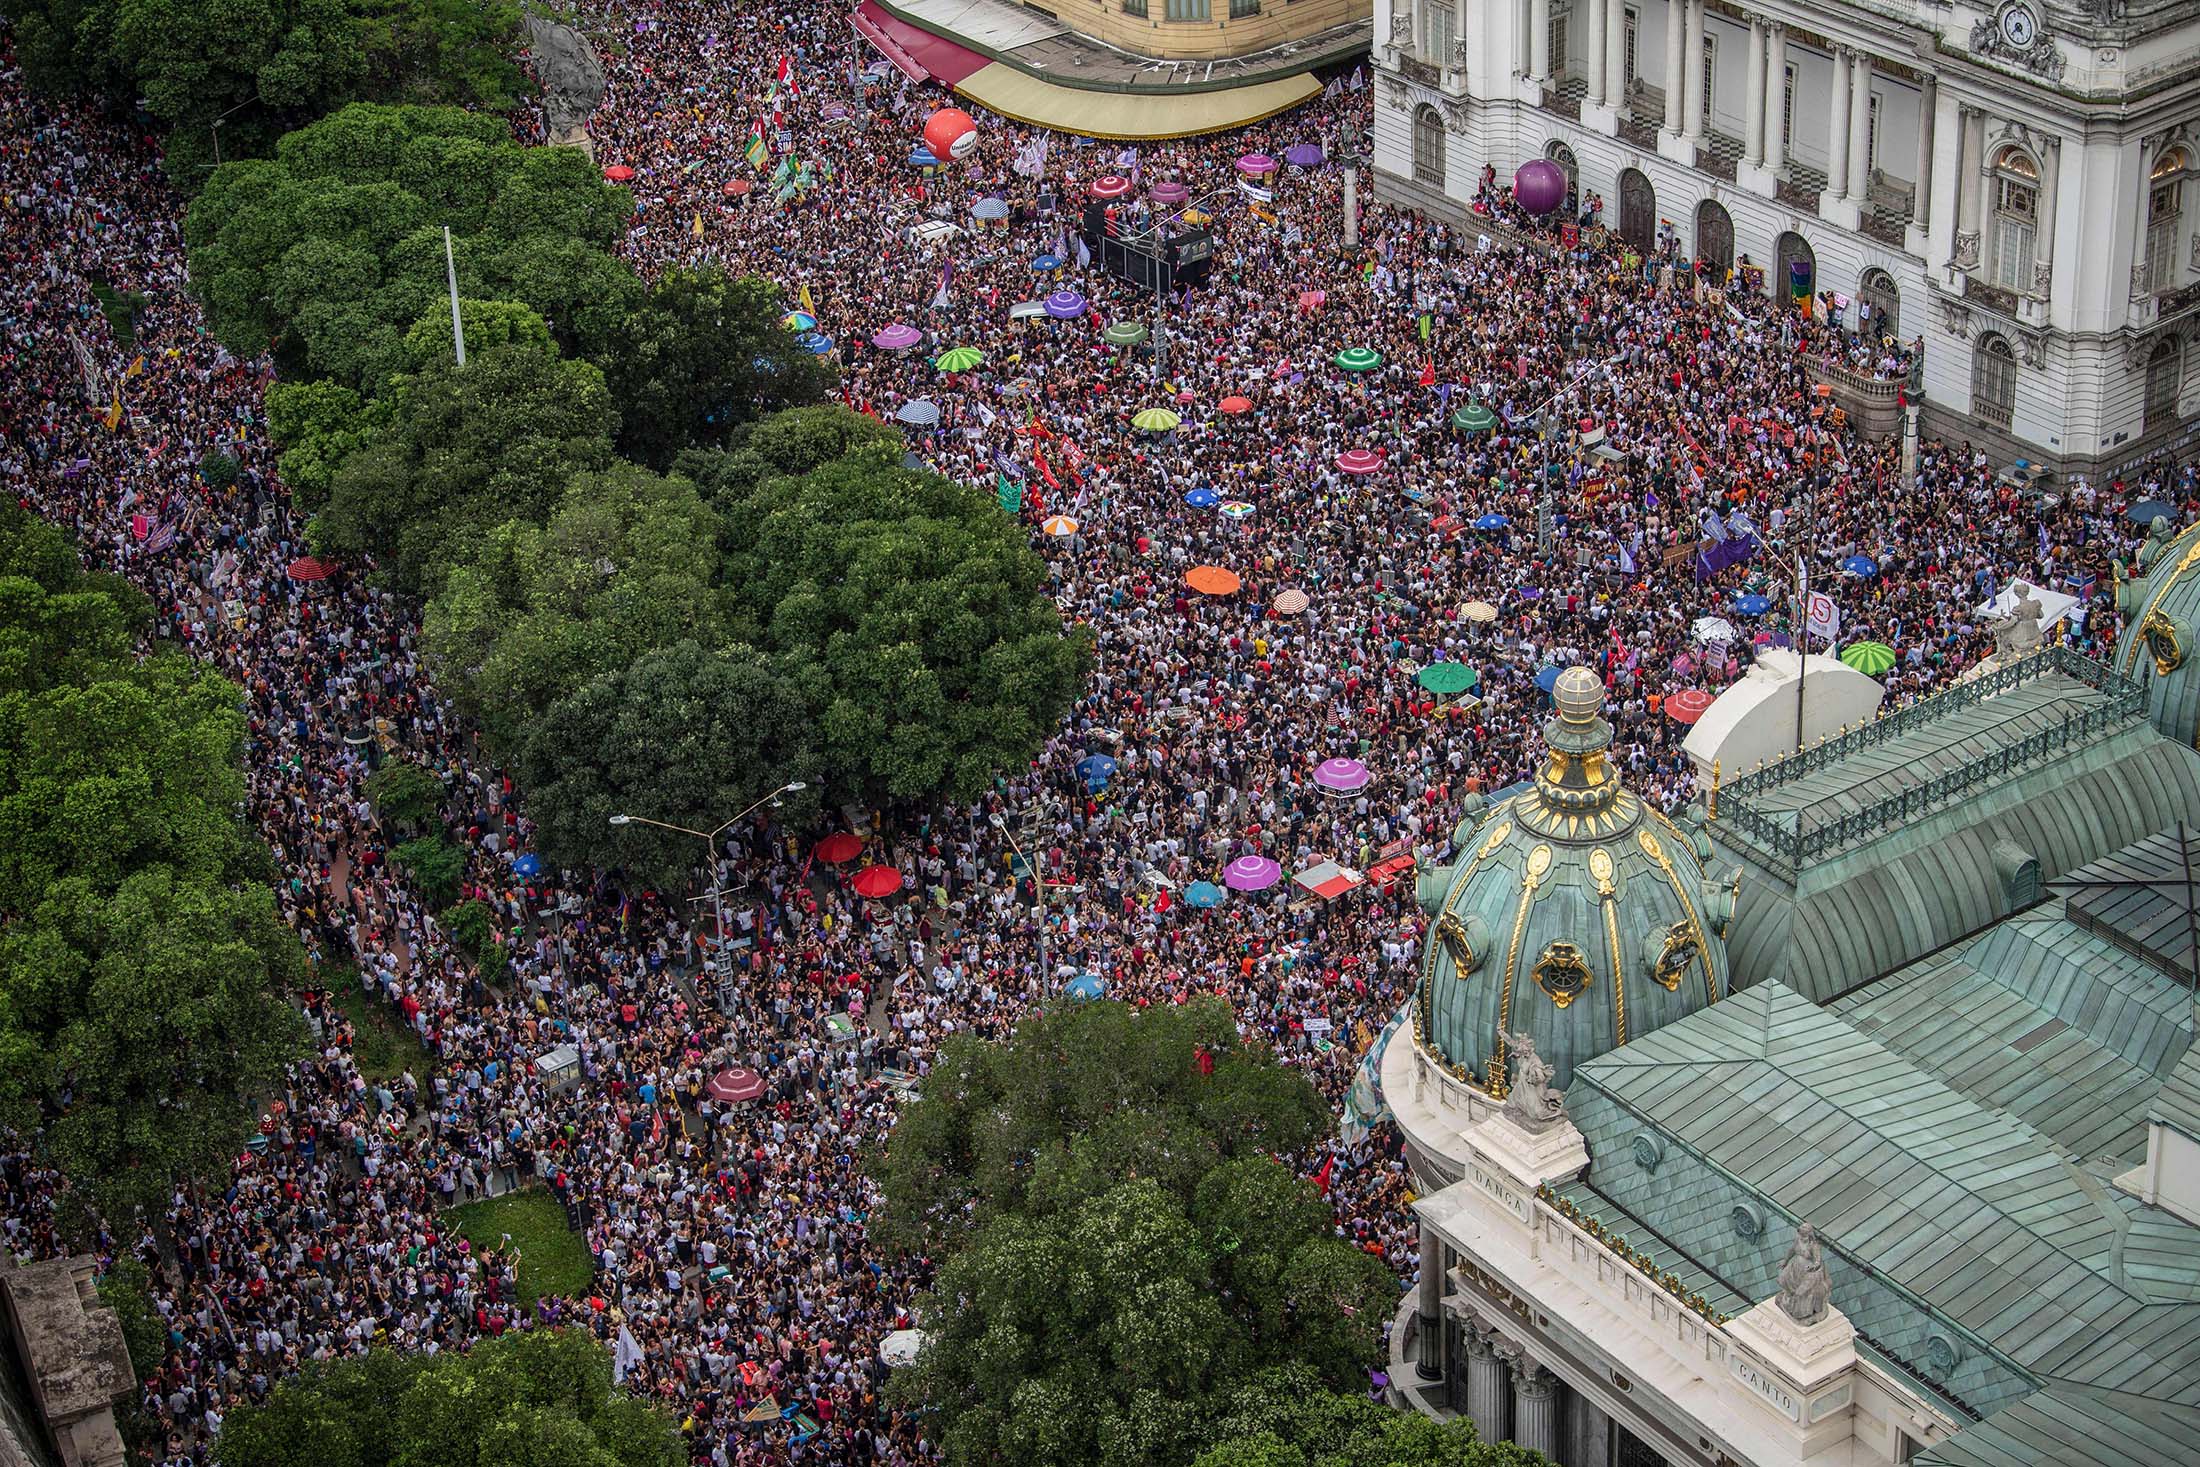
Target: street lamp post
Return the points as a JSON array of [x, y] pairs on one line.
[[1038, 901], [710, 842]]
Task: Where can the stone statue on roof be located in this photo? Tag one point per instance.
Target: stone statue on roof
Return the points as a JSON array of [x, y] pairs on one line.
[[1531, 1101], [2018, 633], [1805, 1290]]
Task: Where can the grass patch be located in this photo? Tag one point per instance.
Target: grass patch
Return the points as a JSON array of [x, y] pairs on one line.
[[381, 1045], [553, 1261]]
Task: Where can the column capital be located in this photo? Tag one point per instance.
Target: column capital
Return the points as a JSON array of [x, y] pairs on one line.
[[1531, 1379]]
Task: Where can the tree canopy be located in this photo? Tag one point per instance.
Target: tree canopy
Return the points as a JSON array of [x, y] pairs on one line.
[[534, 1398], [1283, 1418]]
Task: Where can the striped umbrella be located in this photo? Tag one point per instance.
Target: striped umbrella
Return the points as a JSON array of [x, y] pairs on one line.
[[1291, 601], [1236, 509], [1124, 333], [1359, 358], [1474, 418], [1058, 525], [1155, 420], [1359, 461], [1868, 658], [1110, 186], [959, 359]]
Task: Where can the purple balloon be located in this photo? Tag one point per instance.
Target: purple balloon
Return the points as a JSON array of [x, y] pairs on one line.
[[1539, 186]]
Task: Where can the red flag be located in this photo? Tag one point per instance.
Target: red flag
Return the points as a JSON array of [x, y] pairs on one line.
[[1428, 374], [1321, 1178], [1045, 472]]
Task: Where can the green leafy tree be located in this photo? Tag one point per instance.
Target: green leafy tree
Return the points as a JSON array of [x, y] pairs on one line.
[[683, 734], [435, 866], [702, 356], [127, 1288], [467, 450], [318, 425], [406, 797], [1284, 1418], [489, 324], [530, 613]]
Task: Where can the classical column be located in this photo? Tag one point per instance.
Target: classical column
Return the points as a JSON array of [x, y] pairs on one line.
[[1676, 85], [1595, 49], [1431, 1363], [1754, 120], [1534, 1414], [1970, 185], [1615, 53], [1860, 123], [1776, 50], [2043, 244], [1921, 192], [1692, 103], [1539, 40], [1485, 1385], [1837, 127]]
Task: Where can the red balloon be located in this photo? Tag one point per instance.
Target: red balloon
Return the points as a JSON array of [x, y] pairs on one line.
[[950, 133]]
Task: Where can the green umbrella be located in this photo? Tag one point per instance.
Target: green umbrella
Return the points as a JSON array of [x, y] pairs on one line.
[[1155, 420], [959, 359], [1868, 658], [1447, 677], [1359, 358], [1124, 333], [1474, 418]]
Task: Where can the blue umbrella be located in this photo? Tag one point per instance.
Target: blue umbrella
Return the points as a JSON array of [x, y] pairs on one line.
[[1203, 894], [1547, 679], [1861, 566], [1203, 499], [1752, 604], [2145, 511], [922, 158], [1047, 262], [922, 413], [1096, 769], [1492, 522], [528, 865], [1086, 986], [815, 341]]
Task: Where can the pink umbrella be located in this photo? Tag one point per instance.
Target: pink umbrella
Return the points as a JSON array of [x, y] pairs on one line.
[[1359, 461], [1255, 164], [738, 1083], [1311, 300], [1251, 873], [1341, 776], [1110, 186], [897, 337], [1169, 192]]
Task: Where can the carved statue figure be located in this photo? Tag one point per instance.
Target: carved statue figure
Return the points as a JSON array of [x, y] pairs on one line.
[[571, 76], [1531, 1101], [1804, 1288], [1401, 28], [2018, 633]]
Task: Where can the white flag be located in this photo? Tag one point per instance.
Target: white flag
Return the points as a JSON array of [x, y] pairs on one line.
[[625, 1355], [1823, 618]]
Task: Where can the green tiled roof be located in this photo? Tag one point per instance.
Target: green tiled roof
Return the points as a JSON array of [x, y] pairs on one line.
[[2178, 1103], [2070, 1426]]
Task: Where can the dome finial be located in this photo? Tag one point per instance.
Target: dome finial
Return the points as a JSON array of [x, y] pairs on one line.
[[1578, 695]]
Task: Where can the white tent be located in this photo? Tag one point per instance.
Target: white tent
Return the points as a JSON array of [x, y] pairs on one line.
[[1754, 720], [900, 1347], [2054, 605]]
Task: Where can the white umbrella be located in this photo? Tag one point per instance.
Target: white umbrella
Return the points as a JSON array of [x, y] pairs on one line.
[[900, 1347], [1715, 629]]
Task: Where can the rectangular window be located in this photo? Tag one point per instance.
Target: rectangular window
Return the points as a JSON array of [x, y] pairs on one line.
[[1438, 23], [2162, 220], [1710, 71], [1239, 9], [2016, 215], [1633, 55], [1135, 7], [1187, 9], [1871, 137], [1787, 107], [1560, 63]]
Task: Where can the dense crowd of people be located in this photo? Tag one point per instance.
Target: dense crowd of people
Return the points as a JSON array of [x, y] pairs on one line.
[[729, 1240]]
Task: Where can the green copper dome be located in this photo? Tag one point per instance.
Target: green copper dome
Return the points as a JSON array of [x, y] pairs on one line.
[[2160, 612], [1573, 913]]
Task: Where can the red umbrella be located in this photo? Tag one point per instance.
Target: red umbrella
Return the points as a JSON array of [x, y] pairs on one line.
[[835, 849], [1110, 186], [738, 1083], [1234, 405], [1687, 705], [1359, 461], [736, 187], [877, 881], [618, 173], [306, 568]]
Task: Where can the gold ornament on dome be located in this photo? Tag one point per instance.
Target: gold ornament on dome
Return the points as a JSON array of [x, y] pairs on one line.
[[1562, 973], [1681, 947], [1601, 870], [1496, 838], [1452, 933], [2160, 635]]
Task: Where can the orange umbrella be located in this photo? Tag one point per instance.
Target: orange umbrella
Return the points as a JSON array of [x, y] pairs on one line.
[[1211, 580], [1234, 404]]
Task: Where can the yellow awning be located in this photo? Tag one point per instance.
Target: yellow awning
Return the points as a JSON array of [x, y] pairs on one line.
[[1130, 115]]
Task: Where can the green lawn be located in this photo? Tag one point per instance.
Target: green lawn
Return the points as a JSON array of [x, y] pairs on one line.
[[382, 1046], [554, 1262]]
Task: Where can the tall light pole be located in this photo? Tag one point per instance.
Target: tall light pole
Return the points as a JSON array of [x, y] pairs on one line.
[[1038, 901], [710, 842]]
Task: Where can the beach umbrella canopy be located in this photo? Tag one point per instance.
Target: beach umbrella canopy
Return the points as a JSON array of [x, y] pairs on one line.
[[922, 413], [1058, 525], [1311, 300], [1124, 333], [1065, 305], [1710, 629], [877, 881], [1169, 191], [1447, 678], [1155, 419], [839, 848], [737, 187], [1861, 566], [1236, 509], [1358, 358], [1359, 461], [1096, 769], [1109, 186], [1254, 164], [1492, 522], [528, 865], [1204, 894], [1044, 263], [1474, 418], [901, 1347], [1341, 776], [2146, 511], [1480, 611], [1290, 601], [1687, 705], [308, 568], [897, 337], [1752, 604], [1547, 678], [1202, 498], [1234, 404], [1086, 987], [1303, 155], [988, 210], [619, 173], [1251, 873], [1868, 658], [923, 157], [799, 321], [815, 342], [959, 359], [735, 1084], [1212, 580]]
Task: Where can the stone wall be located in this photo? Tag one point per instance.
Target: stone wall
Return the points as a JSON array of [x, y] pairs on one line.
[[73, 1355]]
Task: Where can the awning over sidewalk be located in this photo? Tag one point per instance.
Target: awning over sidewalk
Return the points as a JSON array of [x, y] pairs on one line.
[[915, 52], [1025, 98]]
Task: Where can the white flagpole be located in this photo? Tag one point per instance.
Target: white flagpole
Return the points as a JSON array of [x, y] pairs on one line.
[[1802, 647], [450, 268]]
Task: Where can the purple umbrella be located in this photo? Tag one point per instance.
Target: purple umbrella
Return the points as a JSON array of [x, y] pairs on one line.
[[1531, 593], [1065, 305], [1341, 776], [1169, 192], [897, 337], [1256, 163], [1252, 873], [1303, 155]]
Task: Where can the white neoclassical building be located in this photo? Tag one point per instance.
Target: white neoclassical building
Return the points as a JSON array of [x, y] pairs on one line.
[[2015, 185]]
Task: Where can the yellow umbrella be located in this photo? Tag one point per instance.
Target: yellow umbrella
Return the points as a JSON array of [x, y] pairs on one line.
[[1478, 611]]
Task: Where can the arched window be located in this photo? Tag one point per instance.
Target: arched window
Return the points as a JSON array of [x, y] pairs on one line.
[[1994, 382], [2165, 210], [1796, 267], [1883, 300], [1428, 147], [2165, 375], [1715, 239], [1569, 165], [2016, 184]]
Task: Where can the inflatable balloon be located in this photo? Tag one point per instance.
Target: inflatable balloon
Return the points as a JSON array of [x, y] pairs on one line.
[[1539, 186], [950, 133]]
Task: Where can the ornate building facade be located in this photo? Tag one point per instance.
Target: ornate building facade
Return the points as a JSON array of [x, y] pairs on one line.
[[2012, 184]]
